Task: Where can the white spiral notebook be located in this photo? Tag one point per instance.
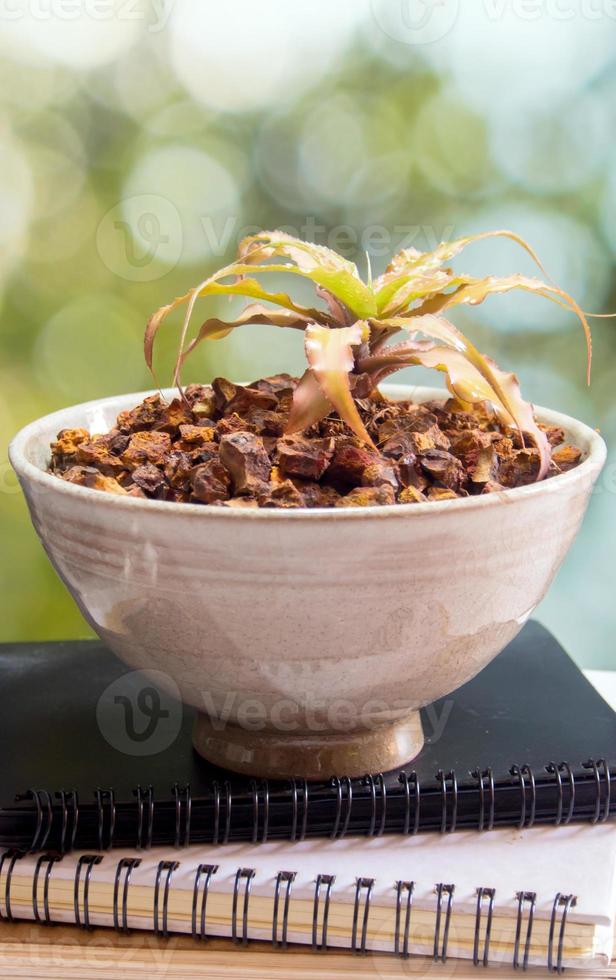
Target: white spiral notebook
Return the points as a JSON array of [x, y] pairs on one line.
[[541, 896]]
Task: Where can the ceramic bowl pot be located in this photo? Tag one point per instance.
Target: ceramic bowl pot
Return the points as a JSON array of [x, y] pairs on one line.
[[306, 639]]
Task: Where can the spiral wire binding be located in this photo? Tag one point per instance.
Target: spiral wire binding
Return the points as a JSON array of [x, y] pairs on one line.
[[63, 817], [402, 949], [86, 861], [183, 814], [372, 782], [12, 856], [105, 798], [565, 902], [127, 865], [288, 877], [522, 773], [526, 907], [338, 784], [366, 885], [483, 893], [591, 764], [408, 783], [557, 771], [44, 817], [442, 778], [216, 827], [228, 804], [247, 874], [531, 899], [217, 810], [203, 877], [164, 870], [256, 789], [566, 768], [480, 775], [440, 947], [295, 809], [50, 860], [69, 801], [145, 798], [328, 881]]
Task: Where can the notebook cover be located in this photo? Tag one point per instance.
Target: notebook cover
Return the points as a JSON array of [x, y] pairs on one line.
[[65, 735]]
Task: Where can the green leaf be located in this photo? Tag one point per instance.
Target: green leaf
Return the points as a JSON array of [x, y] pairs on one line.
[[418, 287], [409, 264], [315, 262]]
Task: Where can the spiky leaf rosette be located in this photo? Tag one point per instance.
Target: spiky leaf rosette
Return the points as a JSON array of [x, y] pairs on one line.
[[351, 335]]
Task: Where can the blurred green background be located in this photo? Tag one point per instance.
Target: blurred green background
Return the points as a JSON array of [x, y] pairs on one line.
[[140, 140]]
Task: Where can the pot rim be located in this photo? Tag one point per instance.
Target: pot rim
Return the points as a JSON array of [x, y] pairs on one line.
[[581, 434]]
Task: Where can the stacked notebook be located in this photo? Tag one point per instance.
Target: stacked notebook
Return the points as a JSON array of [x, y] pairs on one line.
[[495, 899], [528, 741], [98, 835]]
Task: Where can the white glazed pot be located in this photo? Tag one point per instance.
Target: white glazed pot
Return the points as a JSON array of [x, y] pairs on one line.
[[310, 637]]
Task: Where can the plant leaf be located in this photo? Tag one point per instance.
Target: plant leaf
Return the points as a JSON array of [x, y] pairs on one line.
[[316, 262], [467, 383], [475, 291], [216, 329], [338, 311], [441, 329], [524, 414], [330, 356], [242, 286], [499, 382], [309, 404], [153, 325], [421, 287], [409, 264]]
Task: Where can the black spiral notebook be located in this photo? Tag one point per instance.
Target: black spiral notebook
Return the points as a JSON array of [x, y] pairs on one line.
[[94, 757]]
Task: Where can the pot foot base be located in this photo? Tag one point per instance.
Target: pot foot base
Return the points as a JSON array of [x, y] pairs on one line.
[[313, 756]]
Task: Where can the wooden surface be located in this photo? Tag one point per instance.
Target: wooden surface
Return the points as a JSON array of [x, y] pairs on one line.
[[67, 953]]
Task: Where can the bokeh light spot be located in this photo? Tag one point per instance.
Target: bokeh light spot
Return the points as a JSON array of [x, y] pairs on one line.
[[81, 36], [243, 56], [91, 348], [200, 189]]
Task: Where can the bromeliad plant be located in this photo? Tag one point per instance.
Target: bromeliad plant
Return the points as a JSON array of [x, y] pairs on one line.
[[347, 343]]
